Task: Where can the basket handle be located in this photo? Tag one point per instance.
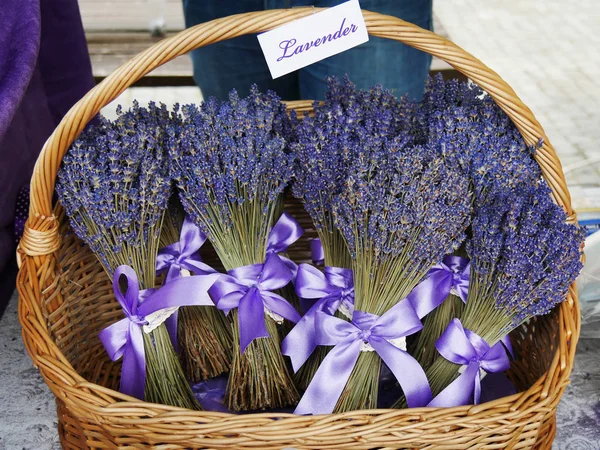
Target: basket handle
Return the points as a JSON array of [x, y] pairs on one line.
[[41, 232]]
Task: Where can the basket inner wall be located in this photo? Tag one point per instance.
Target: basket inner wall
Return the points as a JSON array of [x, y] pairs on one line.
[[91, 306]]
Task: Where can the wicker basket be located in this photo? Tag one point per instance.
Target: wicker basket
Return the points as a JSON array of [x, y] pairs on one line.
[[66, 299]]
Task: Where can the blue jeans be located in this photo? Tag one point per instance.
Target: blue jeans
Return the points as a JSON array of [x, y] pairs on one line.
[[238, 63]]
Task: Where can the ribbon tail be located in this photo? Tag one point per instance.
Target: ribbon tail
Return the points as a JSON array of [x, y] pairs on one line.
[[329, 381], [407, 371], [279, 305], [183, 291], [460, 391], [317, 255], [477, 388], [430, 293], [508, 345], [198, 267], [251, 318], [133, 372]]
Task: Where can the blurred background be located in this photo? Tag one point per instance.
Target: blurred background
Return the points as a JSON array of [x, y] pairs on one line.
[[547, 50]]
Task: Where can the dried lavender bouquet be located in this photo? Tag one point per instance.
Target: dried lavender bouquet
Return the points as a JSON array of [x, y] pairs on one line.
[[524, 258], [203, 332], [231, 168], [326, 144], [402, 208], [114, 184], [467, 123]]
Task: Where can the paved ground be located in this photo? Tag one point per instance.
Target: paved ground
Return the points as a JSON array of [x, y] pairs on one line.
[[547, 51]]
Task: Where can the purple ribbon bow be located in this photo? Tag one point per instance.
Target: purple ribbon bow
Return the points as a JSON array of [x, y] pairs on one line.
[[283, 234], [328, 383], [248, 288], [332, 286], [183, 254], [316, 252], [124, 338], [452, 272], [461, 346]]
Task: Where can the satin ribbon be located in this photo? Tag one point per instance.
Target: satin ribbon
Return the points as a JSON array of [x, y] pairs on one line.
[[183, 254], [462, 346], [348, 338], [316, 252], [248, 289], [452, 272], [284, 233], [333, 286], [210, 394], [124, 338]]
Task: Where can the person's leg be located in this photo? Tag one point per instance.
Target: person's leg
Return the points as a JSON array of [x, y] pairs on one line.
[[236, 63], [379, 61]]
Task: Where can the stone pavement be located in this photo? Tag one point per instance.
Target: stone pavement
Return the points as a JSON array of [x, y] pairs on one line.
[[547, 50]]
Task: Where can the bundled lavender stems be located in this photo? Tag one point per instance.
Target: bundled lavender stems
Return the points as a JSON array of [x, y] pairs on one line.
[[231, 166], [325, 147], [467, 123], [328, 143], [114, 185], [524, 257], [402, 207], [203, 332]]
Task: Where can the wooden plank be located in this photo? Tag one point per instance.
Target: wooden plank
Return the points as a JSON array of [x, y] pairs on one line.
[[130, 15]]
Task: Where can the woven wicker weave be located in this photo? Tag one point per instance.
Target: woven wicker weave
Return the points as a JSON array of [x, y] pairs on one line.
[[65, 299]]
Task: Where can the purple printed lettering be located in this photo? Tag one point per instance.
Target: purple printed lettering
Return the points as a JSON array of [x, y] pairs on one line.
[[290, 48], [285, 45]]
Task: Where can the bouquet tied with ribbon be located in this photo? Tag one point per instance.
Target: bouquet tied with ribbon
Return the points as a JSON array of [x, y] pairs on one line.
[[114, 184], [204, 336], [231, 167]]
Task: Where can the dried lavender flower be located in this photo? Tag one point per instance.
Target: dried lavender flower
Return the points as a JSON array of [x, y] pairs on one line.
[[114, 184]]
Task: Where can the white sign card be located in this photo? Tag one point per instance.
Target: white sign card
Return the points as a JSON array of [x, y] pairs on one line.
[[306, 41]]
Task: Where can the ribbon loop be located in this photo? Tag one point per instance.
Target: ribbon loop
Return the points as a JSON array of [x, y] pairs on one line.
[[462, 346], [330, 379], [284, 233], [183, 254], [452, 274], [124, 338]]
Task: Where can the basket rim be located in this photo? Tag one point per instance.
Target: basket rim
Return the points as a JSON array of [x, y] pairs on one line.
[[38, 249]]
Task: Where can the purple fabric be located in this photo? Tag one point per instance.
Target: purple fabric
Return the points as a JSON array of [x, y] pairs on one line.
[[124, 338], [211, 393], [248, 288], [283, 234], [38, 85], [347, 338], [183, 254]]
